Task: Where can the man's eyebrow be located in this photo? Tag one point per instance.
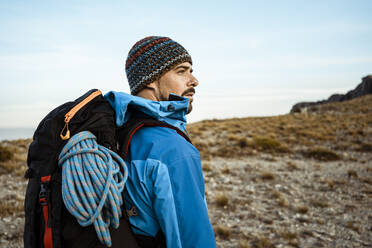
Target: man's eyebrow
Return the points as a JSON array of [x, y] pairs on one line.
[[186, 67]]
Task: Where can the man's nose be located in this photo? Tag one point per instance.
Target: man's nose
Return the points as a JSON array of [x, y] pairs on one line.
[[193, 81]]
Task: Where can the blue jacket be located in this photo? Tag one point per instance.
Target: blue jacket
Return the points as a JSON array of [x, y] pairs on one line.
[[165, 182]]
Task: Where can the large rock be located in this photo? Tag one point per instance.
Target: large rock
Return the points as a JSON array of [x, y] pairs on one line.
[[364, 88]]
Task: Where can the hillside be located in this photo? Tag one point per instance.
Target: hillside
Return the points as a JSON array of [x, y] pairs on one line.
[[296, 180], [362, 89], [324, 132]]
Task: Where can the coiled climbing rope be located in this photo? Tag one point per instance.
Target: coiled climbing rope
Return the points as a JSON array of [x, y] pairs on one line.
[[92, 183]]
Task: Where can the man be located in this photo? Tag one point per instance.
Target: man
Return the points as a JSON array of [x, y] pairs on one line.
[[165, 192]]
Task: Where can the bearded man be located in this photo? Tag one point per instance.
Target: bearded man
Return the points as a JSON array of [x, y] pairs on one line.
[[165, 191]]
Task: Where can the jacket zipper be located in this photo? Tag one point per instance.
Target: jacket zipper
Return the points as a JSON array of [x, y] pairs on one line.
[[70, 114]]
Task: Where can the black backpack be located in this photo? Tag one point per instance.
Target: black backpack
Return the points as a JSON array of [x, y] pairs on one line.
[[48, 223]]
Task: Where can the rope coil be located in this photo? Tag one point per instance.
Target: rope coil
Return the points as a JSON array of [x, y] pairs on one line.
[[92, 183]]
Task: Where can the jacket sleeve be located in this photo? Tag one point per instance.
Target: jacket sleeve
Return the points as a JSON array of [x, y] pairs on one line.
[[164, 207], [179, 202]]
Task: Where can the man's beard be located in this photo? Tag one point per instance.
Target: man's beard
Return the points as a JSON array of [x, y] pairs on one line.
[[189, 108], [191, 90]]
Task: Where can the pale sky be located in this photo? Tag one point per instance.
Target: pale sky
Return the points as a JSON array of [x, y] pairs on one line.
[[252, 58]]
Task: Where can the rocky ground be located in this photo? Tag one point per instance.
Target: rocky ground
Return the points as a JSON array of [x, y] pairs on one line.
[[262, 201], [268, 201], [12, 192]]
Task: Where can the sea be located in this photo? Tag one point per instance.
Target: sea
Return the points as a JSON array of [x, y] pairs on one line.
[[16, 133]]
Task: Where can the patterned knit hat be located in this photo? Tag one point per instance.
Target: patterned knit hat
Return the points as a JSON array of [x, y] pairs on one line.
[[150, 58]]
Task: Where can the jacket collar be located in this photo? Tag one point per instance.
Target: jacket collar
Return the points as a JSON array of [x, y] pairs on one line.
[[171, 112]]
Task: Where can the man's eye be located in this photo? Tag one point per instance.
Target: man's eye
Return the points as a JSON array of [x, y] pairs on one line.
[[181, 71]]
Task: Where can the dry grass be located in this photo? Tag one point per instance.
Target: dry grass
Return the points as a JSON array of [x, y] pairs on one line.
[[206, 167], [331, 183], [339, 182], [267, 221], [279, 198], [366, 180], [14, 155], [352, 173], [267, 175], [364, 147], [318, 134], [302, 209], [262, 242], [268, 144], [276, 194], [367, 191], [321, 154], [319, 203], [226, 170], [5, 153], [243, 142], [353, 226], [244, 244], [282, 202], [222, 200], [223, 231], [307, 233], [291, 166], [10, 207], [288, 235]]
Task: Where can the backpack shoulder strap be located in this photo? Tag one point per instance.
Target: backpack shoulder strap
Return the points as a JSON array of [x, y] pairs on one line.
[[126, 132]]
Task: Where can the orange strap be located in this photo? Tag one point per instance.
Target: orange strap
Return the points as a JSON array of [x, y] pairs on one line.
[[48, 239], [45, 179]]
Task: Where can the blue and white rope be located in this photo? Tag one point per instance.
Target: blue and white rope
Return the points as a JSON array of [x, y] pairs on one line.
[[92, 183]]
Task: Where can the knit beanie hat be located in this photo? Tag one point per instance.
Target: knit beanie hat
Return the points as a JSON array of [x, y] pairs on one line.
[[150, 58]]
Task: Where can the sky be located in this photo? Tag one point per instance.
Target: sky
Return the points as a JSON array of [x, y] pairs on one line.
[[252, 58]]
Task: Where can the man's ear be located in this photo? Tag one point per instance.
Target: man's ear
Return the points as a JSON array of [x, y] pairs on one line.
[[152, 85]]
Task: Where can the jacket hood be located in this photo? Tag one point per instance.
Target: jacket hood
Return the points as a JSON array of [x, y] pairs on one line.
[[125, 105]]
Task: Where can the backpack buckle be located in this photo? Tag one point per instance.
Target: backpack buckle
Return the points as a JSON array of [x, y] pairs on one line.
[[44, 191], [132, 212], [43, 195]]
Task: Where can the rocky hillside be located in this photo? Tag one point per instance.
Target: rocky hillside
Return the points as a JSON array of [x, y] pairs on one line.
[[296, 180], [364, 88]]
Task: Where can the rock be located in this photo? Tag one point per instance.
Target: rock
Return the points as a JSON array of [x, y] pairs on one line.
[[7, 219], [364, 88]]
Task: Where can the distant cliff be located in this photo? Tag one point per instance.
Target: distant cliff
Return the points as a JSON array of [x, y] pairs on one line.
[[364, 88]]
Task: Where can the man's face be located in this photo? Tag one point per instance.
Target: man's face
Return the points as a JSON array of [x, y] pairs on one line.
[[179, 81]]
